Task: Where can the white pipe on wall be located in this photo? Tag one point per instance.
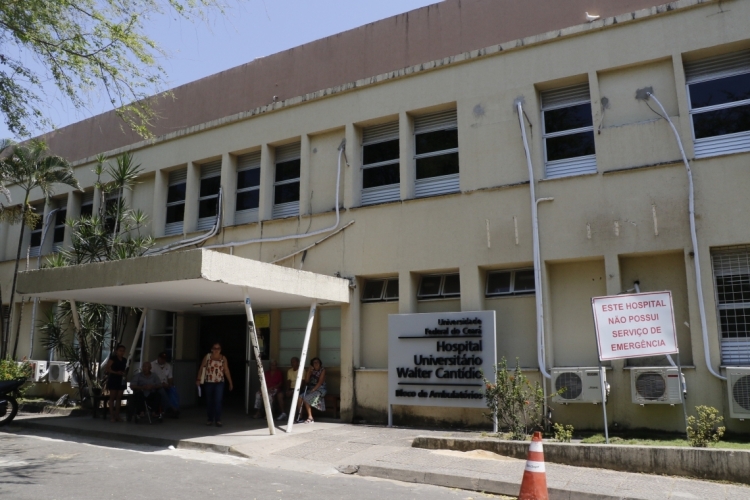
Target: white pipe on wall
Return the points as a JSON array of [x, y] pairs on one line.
[[541, 356], [694, 238]]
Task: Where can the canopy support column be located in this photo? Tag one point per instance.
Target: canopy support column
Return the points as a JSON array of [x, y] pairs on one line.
[[252, 333], [301, 371], [136, 338]]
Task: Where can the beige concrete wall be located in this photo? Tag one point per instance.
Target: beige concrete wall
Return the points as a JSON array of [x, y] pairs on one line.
[[374, 333], [600, 232]]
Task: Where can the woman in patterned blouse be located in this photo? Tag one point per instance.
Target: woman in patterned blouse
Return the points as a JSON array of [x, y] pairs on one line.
[[216, 370]]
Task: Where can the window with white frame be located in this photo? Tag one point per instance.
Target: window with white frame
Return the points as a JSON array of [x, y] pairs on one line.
[[436, 148], [176, 201], [731, 267], [292, 333], [568, 132], [439, 286], [380, 290], [286, 181], [329, 335], [208, 200], [248, 188], [87, 204], [166, 336], [380, 164], [35, 243], [59, 233], [719, 100], [514, 282], [111, 202]]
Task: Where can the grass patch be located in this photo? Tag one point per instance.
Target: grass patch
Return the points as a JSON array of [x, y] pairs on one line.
[[666, 441]]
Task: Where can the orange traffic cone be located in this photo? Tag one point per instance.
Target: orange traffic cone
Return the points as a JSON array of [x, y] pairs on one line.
[[534, 484]]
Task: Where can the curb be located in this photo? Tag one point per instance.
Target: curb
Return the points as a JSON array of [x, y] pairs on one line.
[[474, 484], [113, 436]]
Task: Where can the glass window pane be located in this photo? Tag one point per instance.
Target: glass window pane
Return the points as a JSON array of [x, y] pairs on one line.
[[373, 290], [429, 286], [435, 166], [287, 170], [722, 121], [285, 356], [210, 186], [452, 285], [391, 289], [36, 239], [59, 234], [248, 178], [296, 318], [381, 176], [208, 208], [572, 117], [382, 151], [330, 318], [87, 210], [570, 146], [176, 192], [286, 193], [498, 283], [248, 200], [440, 140], [524, 281], [733, 289], [292, 339], [721, 91], [60, 217], [330, 357], [735, 323], [176, 213]]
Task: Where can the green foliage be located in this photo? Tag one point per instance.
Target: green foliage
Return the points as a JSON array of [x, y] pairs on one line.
[[704, 430], [10, 370], [83, 47], [517, 404], [563, 433]]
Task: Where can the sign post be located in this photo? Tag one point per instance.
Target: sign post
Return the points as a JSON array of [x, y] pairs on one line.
[[440, 359], [633, 326]]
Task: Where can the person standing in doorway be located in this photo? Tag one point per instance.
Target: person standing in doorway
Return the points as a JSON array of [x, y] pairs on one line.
[[213, 372], [115, 370]]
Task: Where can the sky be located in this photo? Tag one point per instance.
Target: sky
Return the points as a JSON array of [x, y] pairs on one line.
[[249, 30]]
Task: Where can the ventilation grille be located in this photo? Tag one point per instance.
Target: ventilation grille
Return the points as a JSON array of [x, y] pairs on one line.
[[741, 392], [282, 210], [717, 67], [571, 385], [566, 96], [288, 152], [178, 176], [651, 386], [87, 197], [434, 186], [435, 121], [248, 161], [212, 169], [381, 194], [380, 133]]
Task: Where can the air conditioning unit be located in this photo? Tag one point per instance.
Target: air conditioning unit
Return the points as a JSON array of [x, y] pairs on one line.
[[581, 385], [656, 385], [38, 370], [738, 383], [58, 372]]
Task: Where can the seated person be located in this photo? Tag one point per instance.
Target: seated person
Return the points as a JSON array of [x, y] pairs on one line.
[[291, 380], [274, 382], [146, 386], [163, 370]]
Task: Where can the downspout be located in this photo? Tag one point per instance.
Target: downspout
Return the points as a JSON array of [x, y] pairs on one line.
[[45, 229], [541, 355], [644, 95], [341, 148]]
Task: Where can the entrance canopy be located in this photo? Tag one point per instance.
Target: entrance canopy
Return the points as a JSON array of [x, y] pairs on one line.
[[193, 281]]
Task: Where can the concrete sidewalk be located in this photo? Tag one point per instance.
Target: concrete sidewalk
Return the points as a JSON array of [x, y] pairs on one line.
[[329, 447]]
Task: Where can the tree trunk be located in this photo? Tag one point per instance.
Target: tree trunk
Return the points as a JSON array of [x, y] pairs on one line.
[[18, 332], [15, 276], [2, 320]]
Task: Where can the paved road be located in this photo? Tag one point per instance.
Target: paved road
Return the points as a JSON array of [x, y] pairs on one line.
[[58, 467]]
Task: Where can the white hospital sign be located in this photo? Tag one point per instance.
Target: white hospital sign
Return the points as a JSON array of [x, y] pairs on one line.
[[440, 359], [634, 325]]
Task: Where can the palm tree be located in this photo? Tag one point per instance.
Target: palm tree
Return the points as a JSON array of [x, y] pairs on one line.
[[123, 174], [28, 166]]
